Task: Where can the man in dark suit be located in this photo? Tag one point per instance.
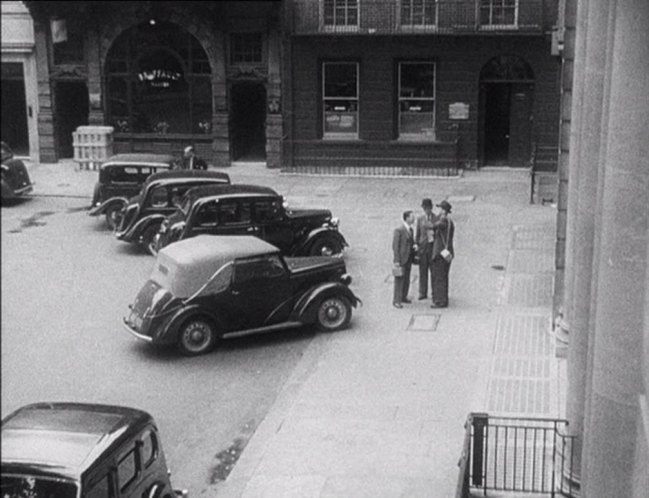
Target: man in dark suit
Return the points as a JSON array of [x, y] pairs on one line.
[[424, 239], [403, 248], [443, 243], [191, 160]]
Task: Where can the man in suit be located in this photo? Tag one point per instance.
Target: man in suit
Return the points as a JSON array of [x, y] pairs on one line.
[[424, 239], [444, 230], [403, 248], [191, 160]]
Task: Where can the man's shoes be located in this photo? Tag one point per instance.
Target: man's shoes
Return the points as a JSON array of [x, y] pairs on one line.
[[407, 301], [421, 298], [397, 305], [437, 305]]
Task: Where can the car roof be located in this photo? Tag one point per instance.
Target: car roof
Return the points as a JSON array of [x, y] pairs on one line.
[[173, 176], [184, 266], [137, 158], [216, 190], [65, 438]]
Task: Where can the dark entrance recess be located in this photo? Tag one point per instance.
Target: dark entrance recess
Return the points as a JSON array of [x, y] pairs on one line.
[[506, 93], [14, 108], [248, 121], [71, 100]]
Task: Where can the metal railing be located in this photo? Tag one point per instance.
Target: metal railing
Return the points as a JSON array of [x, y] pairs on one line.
[[543, 166], [529, 455], [370, 17]]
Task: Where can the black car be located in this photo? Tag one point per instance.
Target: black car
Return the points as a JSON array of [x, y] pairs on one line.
[[121, 177], [15, 177], [207, 287], [253, 210], [82, 450], [160, 194]]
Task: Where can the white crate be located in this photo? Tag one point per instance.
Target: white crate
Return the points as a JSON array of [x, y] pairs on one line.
[[92, 145]]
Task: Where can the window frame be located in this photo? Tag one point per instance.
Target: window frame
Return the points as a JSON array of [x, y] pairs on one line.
[[231, 52], [411, 25], [335, 5], [332, 135], [491, 4], [136, 464], [417, 136]]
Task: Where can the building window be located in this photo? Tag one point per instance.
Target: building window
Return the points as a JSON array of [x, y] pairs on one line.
[[498, 12], [340, 99], [341, 15], [245, 48], [158, 80], [418, 13], [417, 100]]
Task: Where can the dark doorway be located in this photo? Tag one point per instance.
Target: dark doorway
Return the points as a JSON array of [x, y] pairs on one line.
[[248, 121], [71, 99], [496, 127], [14, 108]]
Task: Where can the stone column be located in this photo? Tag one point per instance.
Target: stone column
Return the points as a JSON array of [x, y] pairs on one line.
[[220, 114], [96, 112], [45, 107], [274, 129], [616, 382]]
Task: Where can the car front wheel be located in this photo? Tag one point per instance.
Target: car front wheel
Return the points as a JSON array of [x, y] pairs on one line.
[[113, 217], [197, 336], [325, 246], [149, 239], [334, 313]]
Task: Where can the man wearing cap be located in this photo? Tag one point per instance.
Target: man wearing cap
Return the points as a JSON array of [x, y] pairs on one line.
[[191, 160], [424, 240], [442, 255]]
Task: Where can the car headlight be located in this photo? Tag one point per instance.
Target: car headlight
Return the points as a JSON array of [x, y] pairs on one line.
[[346, 279], [334, 222]]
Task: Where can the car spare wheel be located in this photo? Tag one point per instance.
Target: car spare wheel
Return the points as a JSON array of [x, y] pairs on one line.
[[333, 313], [113, 216], [197, 336], [325, 246], [149, 239]]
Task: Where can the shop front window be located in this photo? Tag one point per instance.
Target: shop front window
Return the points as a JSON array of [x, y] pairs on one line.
[[158, 81], [340, 99], [417, 100]]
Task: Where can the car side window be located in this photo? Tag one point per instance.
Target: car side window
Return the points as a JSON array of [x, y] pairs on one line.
[[158, 198], [267, 210], [258, 269], [101, 489], [148, 448], [206, 215], [127, 469]]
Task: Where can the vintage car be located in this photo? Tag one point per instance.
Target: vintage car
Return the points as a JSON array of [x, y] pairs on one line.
[[79, 450], [253, 210], [120, 178], [207, 287], [142, 216], [15, 177]]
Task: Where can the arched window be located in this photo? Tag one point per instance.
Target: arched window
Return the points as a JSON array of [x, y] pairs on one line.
[[507, 68], [158, 81]]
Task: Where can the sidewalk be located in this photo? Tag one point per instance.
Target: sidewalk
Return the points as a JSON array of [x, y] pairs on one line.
[[378, 410]]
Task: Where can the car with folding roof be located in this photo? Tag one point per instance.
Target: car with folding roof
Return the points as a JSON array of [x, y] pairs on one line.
[[121, 177], [208, 287], [253, 210], [158, 198], [16, 182], [82, 450]]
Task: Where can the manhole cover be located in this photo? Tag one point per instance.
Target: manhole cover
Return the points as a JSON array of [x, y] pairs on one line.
[[424, 322]]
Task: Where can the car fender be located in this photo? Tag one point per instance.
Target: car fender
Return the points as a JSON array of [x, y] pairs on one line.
[[104, 206], [170, 332], [305, 244], [138, 229], [7, 191], [306, 306]]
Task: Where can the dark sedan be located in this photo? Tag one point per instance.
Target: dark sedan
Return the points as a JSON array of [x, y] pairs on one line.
[[16, 182]]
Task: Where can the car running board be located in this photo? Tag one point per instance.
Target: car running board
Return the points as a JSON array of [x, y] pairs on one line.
[[268, 328]]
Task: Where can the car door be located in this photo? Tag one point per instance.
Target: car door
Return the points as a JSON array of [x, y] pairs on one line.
[[268, 213], [261, 292]]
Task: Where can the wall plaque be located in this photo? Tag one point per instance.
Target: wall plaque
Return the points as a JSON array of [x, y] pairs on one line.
[[458, 110]]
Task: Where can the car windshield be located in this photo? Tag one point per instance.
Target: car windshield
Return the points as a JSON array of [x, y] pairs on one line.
[[26, 486]]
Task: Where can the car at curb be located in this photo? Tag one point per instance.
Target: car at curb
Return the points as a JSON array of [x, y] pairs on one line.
[[16, 182], [142, 216], [253, 210], [83, 450], [121, 177], [208, 287]]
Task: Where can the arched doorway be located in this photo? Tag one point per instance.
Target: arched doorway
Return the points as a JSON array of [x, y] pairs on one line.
[[248, 121], [506, 97], [159, 85]]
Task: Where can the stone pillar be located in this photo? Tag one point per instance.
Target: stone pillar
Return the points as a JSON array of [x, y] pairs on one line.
[[616, 380], [96, 114], [220, 114], [274, 131], [46, 137]]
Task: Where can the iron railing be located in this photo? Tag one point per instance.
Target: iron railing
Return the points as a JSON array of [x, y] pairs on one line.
[[376, 17], [543, 168], [528, 455]]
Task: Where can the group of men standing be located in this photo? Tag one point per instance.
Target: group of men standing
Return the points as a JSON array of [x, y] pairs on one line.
[[428, 242]]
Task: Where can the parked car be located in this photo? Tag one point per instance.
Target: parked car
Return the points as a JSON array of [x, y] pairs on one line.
[[207, 287], [142, 216], [120, 178], [16, 182], [78, 450], [253, 210]]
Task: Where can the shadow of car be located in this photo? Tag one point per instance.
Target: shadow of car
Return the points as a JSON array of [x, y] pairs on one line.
[[16, 182], [208, 287]]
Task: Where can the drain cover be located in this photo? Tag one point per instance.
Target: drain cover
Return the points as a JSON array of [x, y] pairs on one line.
[[424, 322]]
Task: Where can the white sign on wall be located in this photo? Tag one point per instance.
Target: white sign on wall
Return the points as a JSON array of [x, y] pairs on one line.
[[458, 110]]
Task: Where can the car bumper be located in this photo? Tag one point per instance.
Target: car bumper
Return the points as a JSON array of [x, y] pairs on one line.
[[20, 192], [135, 333]]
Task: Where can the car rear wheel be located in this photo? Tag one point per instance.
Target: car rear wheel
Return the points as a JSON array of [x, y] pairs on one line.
[[149, 243], [197, 336], [326, 246], [334, 313], [113, 216]]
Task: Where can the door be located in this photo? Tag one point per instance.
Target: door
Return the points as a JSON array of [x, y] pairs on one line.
[[248, 121], [71, 101], [14, 108], [497, 123], [223, 217], [520, 118]]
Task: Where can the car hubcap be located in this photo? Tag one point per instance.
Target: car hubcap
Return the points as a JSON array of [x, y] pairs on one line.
[[196, 337], [326, 251], [332, 313]]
